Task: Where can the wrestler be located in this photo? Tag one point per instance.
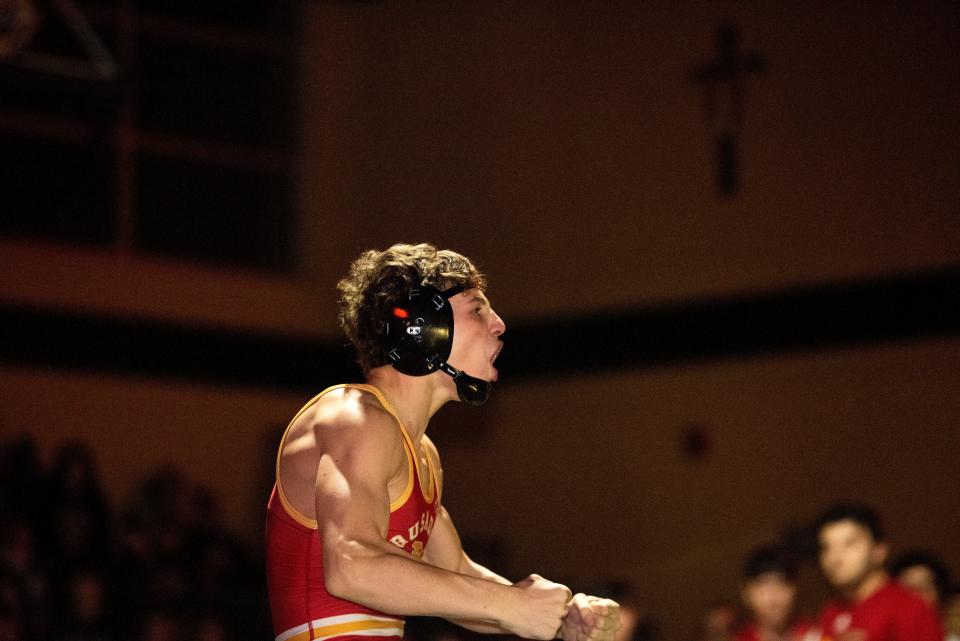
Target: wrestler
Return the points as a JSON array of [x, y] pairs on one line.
[[357, 535]]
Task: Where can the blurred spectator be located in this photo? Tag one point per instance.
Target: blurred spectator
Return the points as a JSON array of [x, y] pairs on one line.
[[210, 627], [161, 625], [21, 480], [719, 622], [62, 563], [951, 614], [635, 625], [163, 499], [11, 610], [871, 606], [78, 521], [165, 495], [131, 571], [924, 573], [10, 627], [84, 610], [220, 566], [22, 580], [769, 591]]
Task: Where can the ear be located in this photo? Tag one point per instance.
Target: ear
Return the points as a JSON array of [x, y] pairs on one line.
[[880, 552]]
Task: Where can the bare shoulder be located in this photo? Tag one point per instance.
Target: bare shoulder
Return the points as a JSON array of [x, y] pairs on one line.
[[351, 417], [342, 421]]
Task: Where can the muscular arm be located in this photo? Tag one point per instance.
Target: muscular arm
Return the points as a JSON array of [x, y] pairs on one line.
[[588, 618], [352, 507], [445, 551]]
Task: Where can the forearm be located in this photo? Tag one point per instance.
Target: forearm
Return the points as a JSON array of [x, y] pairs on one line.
[[471, 568], [480, 627], [391, 581]]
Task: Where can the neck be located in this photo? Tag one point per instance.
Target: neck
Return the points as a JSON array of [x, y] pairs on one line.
[[870, 584], [767, 632], [415, 398]]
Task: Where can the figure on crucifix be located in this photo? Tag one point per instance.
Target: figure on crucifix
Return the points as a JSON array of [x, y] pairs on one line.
[[723, 81]]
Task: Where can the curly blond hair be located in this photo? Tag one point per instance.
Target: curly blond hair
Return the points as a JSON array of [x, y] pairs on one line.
[[377, 280]]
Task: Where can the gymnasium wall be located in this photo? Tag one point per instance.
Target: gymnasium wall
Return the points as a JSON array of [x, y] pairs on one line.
[[567, 149]]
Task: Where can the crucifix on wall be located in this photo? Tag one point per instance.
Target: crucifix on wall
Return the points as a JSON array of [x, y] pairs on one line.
[[723, 80]]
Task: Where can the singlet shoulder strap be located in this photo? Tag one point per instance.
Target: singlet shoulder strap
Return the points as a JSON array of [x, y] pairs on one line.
[[414, 469], [412, 476], [294, 513]]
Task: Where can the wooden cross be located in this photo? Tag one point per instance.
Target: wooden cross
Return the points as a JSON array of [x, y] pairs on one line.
[[723, 79]]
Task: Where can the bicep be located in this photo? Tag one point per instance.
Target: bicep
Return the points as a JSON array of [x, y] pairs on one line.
[[444, 549], [352, 488]]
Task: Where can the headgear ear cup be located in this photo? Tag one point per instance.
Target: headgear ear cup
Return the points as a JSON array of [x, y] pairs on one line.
[[418, 334], [418, 337]]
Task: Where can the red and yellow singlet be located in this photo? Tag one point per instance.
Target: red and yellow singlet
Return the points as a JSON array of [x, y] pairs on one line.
[[300, 605]]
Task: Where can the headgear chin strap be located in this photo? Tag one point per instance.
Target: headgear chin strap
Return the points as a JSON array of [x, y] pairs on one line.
[[418, 337], [470, 389]]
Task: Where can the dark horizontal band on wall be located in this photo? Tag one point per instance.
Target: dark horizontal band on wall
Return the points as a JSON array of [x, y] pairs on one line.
[[152, 349], [905, 307], [896, 308]]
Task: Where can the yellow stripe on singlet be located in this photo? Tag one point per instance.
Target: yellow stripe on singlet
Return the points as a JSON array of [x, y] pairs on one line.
[[306, 521], [411, 453], [350, 624]]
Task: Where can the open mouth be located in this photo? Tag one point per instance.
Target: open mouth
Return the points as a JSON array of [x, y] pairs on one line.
[[496, 354]]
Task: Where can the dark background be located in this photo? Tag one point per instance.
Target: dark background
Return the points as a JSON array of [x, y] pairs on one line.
[[729, 276]]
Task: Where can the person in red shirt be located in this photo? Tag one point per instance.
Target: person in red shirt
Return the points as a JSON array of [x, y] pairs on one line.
[[769, 591], [923, 572], [357, 535], [871, 606]]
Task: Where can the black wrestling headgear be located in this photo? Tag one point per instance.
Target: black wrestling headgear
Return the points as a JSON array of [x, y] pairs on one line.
[[418, 337]]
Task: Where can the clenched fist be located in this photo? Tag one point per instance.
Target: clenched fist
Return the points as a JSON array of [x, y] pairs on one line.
[[540, 608], [590, 618]]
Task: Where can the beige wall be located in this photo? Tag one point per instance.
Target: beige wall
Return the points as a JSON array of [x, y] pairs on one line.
[[585, 477], [221, 437], [88, 281], [564, 145]]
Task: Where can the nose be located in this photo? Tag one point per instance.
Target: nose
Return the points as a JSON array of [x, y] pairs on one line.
[[497, 326]]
